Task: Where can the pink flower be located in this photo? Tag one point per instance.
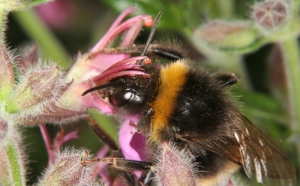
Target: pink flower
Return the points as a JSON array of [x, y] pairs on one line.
[[97, 68], [44, 94]]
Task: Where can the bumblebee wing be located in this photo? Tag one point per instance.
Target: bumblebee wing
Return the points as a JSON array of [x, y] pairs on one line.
[[261, 158]]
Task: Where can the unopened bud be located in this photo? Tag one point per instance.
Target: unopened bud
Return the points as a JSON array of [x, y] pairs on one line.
[[67, 170], [34, 88], [175, 167], [6, 73], [227, 35]]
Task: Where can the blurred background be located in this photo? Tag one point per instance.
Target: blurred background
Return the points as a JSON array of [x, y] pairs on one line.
[[62, 28]]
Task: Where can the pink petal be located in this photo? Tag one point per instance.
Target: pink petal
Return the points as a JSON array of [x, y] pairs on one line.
[[61, 138], [91, 100], [133, 144], [109, 36]]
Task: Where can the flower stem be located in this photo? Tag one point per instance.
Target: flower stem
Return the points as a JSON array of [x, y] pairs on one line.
[[45, 39], [295, 7], [16, 163], [47, 141], [290, 50]]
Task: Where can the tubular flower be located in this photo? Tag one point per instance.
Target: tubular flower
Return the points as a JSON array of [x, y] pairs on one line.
[[44, 94], [93, 68], [34, 92]]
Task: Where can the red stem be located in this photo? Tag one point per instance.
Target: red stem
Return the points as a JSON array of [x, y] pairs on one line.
[[47, 141]]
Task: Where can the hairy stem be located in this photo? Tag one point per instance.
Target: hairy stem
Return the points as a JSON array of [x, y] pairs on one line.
[[15, 160], [290, 49], [47, 141]]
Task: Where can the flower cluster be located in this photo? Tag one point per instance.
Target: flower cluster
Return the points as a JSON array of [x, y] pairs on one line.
[[33, 92]]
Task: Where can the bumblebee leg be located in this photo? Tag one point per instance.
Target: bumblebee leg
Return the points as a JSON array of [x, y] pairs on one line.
[[102, 134], [122, 164], [143, 125], [124, 167], [148, 178], [128, 178]]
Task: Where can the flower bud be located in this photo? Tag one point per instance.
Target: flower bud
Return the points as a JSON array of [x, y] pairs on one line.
[[175, 167], [224, 35], [67, 170], [269, 15], [34, 88], [35, 99], [6, 73]]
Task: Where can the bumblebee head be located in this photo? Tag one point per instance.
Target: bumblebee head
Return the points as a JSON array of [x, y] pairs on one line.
[[127, 88]]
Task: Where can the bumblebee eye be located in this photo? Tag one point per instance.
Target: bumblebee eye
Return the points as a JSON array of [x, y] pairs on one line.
[[121, 98]]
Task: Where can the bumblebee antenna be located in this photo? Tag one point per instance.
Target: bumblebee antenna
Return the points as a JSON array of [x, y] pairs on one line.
[[151, 33], [110, 84]]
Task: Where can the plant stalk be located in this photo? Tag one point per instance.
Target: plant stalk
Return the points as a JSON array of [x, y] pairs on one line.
[[290, 49], [45, 39], [16, 163]]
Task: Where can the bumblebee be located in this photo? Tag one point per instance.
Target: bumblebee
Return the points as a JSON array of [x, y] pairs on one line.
[[183, 104]]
